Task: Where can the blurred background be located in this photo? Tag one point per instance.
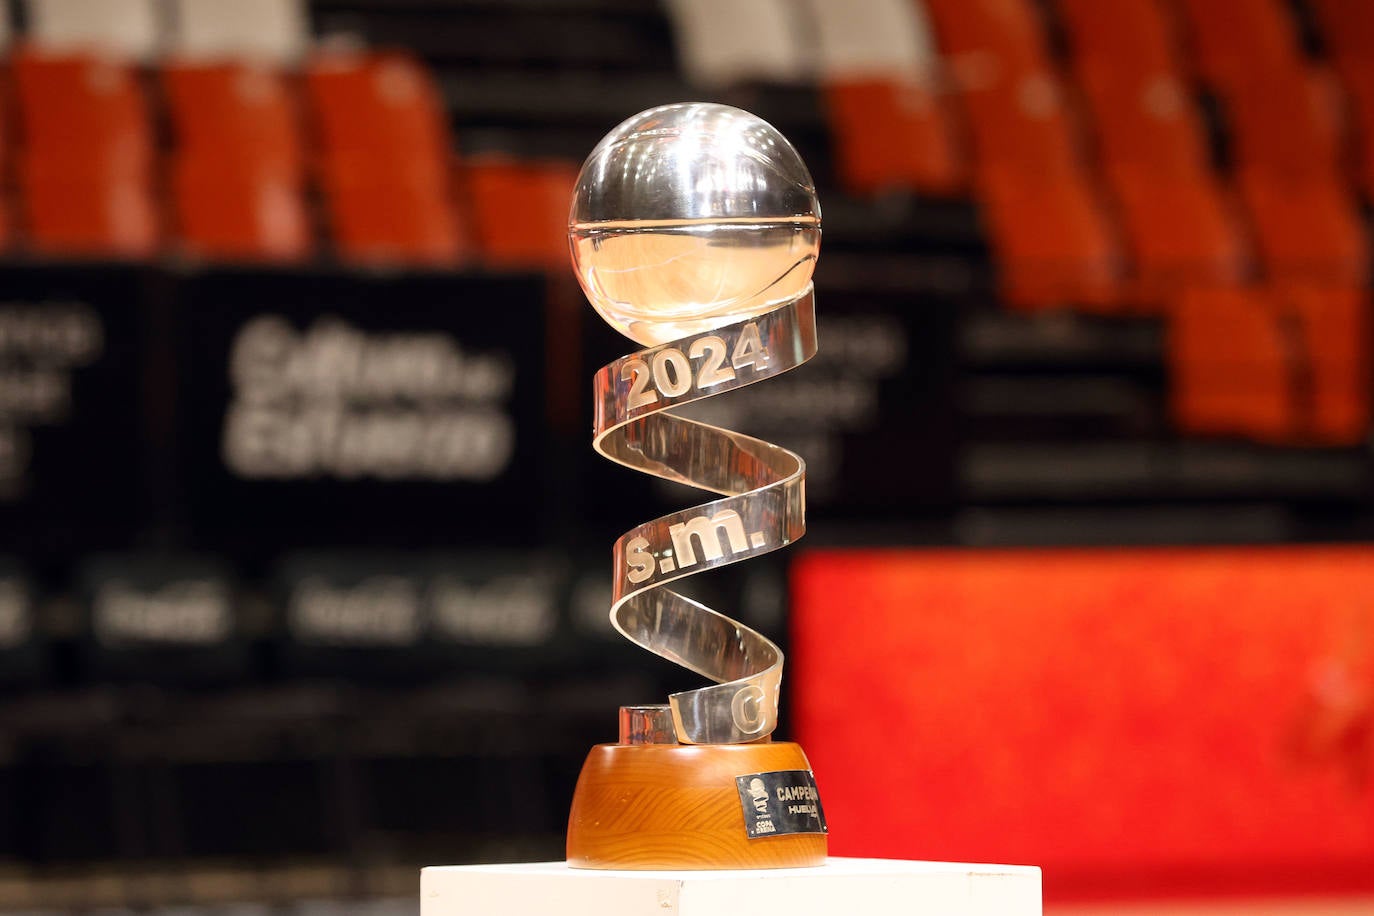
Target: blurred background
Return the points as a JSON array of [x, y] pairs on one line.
[[304, 552]]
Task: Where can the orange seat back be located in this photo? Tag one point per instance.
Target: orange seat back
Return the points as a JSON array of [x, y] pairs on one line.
[[1128, 70], [384, 158], [238, 167], [1347, 26], [520, 211], [403, 217], [85, 160], [1335, 326], [1348, 29], [1288, 364], [1307, 228], [1145, 120], [1231, 365], [380, 108], [1134, 36], [1053, 241], [1358, 79], [892, 135], [1006, 31], [1008, 89], [235, 111], [1283, 121], [1233, 39], [1179, 229], [81, 108], [240, 213], [70, 214]]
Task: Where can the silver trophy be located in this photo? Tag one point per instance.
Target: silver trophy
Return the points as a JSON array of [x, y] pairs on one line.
[[694, 231]]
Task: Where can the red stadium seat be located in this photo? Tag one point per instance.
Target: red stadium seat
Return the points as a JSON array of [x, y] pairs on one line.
[[385, 155], [234, 211], [1133, 36], [1232, 40], [6, 155], [378, 109], [1175, 220], [1336, 328], [1279, 109], [87, 215], [1287, 364], [1146, 120], [81, 107], [238, 170], [1357, 78], [1011, 95], [1128, 69], [1008, 32], [234, 110], [7, 135], [1285, 134], [85, 163], [1348, 27], [1045, 216], [1054, 243], [520, 211], [1178, 222], [400, 216], [1230, 365], [1277, 106], [1306, 228], [1178, 230], [892, 135], [1024, 121], [1284, 121]]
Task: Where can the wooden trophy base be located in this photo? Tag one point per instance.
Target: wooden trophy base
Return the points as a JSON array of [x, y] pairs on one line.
[[677, 806]]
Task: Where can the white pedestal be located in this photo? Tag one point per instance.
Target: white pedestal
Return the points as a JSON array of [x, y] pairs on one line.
[[841, 887]]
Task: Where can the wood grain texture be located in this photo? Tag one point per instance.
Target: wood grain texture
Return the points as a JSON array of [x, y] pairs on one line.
[[675, 806]]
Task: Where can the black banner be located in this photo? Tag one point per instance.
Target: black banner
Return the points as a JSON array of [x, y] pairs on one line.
[[419, 616], [22, 647], [162, 618], [72, 407], [356, 409]]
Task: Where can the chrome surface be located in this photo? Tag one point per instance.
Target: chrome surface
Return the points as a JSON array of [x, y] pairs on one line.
[[688, 217], [647, 725], [694, 230], [763, 509], [696, 160]]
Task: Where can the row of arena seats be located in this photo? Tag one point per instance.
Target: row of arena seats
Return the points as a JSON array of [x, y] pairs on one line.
[[1105, 187], [1096, 172], [242, 164], [1094, 169], [1280, 363], [1119, 237]]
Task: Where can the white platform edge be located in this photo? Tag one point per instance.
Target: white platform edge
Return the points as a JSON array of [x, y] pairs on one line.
[[841, 886]]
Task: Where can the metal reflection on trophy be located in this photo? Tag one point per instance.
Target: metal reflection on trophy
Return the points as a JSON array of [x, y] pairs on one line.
[[694, 231]]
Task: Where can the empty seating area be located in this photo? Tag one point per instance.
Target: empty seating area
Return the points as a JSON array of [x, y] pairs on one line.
[[1126, 159], [227, 133], [1205, 162]]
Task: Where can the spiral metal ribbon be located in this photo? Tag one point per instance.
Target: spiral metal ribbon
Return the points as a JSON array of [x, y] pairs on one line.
[[763, 508]]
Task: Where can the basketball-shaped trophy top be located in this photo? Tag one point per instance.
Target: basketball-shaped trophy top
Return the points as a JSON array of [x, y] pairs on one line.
[[692, 216]]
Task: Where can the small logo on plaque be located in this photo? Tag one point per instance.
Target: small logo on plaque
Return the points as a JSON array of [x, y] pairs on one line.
[[781, 802]]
